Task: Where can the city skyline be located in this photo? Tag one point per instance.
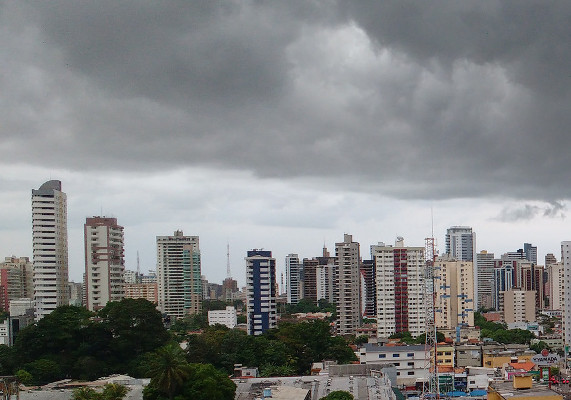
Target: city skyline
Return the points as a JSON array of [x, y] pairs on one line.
[[286, 125]]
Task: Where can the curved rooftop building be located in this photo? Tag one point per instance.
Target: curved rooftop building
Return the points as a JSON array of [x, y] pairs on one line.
[[50, 256]]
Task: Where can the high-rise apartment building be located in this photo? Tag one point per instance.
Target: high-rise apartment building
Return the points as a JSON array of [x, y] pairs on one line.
[[550, 259], [368, 289], [461, 244], [348, 299], [556, 280], [260, 291], [16, 280], [104, 262], [293, 278], [485, 266], [566, 260], [519, 305], [400, 289], [49, 239], [179, 279], [530, 252], [454, 293]]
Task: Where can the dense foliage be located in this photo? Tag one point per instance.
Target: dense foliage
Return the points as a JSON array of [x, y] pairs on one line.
[[111, 391], [287, 350], [406, 337], [338, 395], [499, 332], [73, 342], [172, 376]]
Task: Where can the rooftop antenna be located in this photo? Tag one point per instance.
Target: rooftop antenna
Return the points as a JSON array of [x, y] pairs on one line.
[[138, 265], [228, 273]]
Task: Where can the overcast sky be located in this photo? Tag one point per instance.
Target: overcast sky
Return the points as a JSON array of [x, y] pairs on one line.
[[284, 124]]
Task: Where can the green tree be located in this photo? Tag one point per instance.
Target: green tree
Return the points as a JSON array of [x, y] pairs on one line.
[[114, 391], [136, 327], [537, 347], [24, 377], [338, 395], [168, 369], [207, 383], [85, 393], [44, 371]]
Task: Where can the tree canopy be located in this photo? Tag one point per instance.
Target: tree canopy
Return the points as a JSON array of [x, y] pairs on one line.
[[74, 342]]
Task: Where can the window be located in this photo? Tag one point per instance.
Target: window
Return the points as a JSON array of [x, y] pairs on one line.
[[395, 355], [382, 355], [410, 354], [410, 373]]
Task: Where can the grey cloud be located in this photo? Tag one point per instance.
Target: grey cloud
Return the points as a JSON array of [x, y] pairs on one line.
[[552, 209], [409, 99]]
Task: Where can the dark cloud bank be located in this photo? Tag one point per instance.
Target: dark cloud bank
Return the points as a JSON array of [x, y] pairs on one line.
[[412, 99]]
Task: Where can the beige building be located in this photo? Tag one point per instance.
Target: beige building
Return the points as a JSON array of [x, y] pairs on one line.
[[400, 289], [104, 262], [556, 274], [16, 280], [179, 280], [348, 297], [454, 293], [519, 305], [147, 291]]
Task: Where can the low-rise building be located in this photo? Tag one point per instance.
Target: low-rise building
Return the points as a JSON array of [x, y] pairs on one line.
[[409, 360], [468, 355], [225, 317]]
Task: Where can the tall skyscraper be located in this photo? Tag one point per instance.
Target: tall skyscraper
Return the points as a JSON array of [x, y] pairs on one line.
[[49, 238], [454, 293], [400, 289], [461, 244], [530, 252], [348, 282], [104, 262], [485, 265], [293, 275], [556, 279], [260, 291], [179, 275]]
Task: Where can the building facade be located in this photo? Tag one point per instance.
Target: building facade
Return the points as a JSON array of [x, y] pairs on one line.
[[225, 317], [50, 254], [400, 289], [461, 244], [179, 280], [16, 280], [454, 293], [293, 279], [104, 262], [261, 291], [348, 281], [519, 305], [485, 263]]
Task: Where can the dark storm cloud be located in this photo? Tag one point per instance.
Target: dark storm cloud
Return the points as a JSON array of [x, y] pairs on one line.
[[411, 99]]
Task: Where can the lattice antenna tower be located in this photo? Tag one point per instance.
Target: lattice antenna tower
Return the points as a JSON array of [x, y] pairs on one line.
[[228, 273], [432, 389]]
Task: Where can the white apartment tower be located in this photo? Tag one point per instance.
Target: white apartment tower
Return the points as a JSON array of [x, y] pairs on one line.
[[179, 275], [104, 262], [400, 288], [454, 293], [49, 239], [293, 273], [348, 296]]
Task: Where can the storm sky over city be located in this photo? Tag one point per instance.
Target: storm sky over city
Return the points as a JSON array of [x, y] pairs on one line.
[[284, 124]]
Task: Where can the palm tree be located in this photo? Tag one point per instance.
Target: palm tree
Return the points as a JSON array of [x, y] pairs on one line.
[[85, 393], [114, 391], [168, 369]]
